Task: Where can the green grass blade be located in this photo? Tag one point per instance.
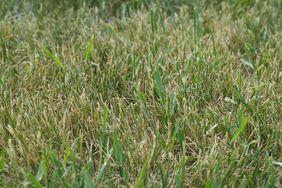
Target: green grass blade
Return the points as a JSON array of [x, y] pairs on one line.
[[227, 173], [2, 162], [119, 155], [105, 116], [172, 102], [67, 154], [159, 86], [118, 150], [164, 175], [57, 163], [181, 137], [142, 175], [55, 58], [35, 182], [40, 172], [89, 49], [154, 25], [88, 179], [182, 82], [179, 178], [104, 166], [244, 122], [45, 169], [104, 132]]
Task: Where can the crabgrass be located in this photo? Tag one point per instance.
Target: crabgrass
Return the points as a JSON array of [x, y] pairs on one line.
[[140, 93]]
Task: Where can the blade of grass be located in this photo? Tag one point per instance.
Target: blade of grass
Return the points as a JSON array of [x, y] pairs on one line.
[[35, 182], [89, 49], [182, 82], [2, 162], [172, 102], [104, 132], [173, 139], [244, 122], [179, 179], [164, 175], [45, 168], [55, 58], [104, 166], [67, 154], [142, 175], [57, 163], [154, 25], [159, 86], [88, 179], [119, 155], [227, 173], [40, 172]]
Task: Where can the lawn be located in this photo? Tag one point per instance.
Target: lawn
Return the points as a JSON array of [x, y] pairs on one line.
[[141, 93]]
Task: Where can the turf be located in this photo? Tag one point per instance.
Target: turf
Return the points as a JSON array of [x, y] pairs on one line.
[[140, 93]]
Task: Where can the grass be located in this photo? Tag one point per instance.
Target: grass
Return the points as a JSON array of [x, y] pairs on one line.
[[140, 93]]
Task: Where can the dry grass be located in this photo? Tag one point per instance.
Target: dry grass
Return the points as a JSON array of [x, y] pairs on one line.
[[140, 94]]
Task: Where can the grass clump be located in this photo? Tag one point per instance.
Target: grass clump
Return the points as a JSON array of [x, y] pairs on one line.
[[140, 93]]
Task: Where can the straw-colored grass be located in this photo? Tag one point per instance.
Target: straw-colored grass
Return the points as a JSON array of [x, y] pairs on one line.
[[140, 93]]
